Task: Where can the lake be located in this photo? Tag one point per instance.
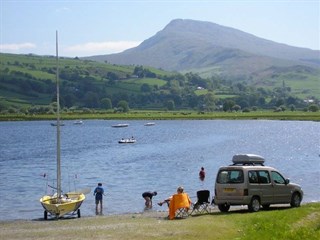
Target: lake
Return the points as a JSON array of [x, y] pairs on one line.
[[165, 156]]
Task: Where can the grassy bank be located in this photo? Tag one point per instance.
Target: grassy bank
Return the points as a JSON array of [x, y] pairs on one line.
[[170, 115], [276, 223]]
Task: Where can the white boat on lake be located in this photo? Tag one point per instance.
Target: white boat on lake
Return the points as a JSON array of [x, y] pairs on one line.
[[150, 124], [78, 122], [120, 125], [127, 140], [54, 124]]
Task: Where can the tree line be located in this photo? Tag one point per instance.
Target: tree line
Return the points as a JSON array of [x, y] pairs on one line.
[[80, 89]]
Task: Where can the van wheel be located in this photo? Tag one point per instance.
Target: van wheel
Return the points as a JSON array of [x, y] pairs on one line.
[[224, 207], [254, 205], [295, 200]]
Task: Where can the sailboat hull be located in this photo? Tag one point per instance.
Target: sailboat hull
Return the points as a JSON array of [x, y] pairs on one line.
[[63, 206]]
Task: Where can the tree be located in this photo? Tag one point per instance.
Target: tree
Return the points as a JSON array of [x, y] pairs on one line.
[[123, 106], [208, 102], [170, 105], [313, 108], [145, 88], [292, 107], [227, 105], [2, 107], [261, 101], [139, 71], [236, 108], [91, 100], [106, 103], [70, 100], [112, 76]]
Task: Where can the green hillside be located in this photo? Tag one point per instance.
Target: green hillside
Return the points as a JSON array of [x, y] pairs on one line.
[[27, 84], [30, 80]]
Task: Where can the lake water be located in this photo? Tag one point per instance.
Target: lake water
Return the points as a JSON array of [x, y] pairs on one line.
[[165, 156]]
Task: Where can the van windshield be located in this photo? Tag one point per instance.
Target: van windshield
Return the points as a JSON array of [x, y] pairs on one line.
[[230, 176]]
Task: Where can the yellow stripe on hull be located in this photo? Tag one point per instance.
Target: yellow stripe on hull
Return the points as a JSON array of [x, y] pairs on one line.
[[63, 206]]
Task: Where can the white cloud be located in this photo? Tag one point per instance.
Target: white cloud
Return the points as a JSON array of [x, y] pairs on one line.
[[79, 50], [97, 48], [16, 47]]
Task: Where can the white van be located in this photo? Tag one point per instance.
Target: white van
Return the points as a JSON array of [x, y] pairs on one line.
[[248, 182]]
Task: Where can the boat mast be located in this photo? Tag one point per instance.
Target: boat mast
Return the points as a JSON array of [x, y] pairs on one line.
[[58, 123]]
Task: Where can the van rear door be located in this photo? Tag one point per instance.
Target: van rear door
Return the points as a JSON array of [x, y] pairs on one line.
[[230, 185]]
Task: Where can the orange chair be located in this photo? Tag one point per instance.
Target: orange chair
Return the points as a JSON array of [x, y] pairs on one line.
[[180, 203]]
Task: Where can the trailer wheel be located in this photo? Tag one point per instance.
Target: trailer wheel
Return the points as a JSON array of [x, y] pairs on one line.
[[79, 213], [45, 215]]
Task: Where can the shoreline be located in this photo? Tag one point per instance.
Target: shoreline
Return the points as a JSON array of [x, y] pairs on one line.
[[150, 214], [146, 214], [172, 115], [282, 222]]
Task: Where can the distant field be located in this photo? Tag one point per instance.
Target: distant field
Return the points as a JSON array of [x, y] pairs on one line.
[[169, 115], [150, 81]]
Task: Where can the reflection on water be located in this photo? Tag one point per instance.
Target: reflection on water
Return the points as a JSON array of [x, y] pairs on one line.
[[166, 155]]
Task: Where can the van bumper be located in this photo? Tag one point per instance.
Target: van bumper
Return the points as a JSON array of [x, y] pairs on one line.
[[245, 200]]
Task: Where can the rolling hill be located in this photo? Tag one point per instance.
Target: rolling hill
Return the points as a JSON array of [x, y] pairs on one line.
[[188, 64], [211, 49]]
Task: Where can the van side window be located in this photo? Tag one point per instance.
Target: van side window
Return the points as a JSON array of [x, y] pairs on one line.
[[277, 178], [264, 177], [253, 177], [230, 176]]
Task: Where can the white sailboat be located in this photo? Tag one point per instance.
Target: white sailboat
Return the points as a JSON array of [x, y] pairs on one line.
[[58, 204]]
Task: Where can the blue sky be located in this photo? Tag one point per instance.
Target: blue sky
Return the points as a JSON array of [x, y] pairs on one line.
[[94, 27]]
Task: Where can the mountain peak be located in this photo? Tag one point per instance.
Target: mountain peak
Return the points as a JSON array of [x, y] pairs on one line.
[[190, 45]]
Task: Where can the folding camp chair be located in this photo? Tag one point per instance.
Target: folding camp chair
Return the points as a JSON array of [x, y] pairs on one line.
[[179, 206], [182, 213], [203, 202]]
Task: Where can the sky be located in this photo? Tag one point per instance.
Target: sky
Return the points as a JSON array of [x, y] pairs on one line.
[[98, 27]]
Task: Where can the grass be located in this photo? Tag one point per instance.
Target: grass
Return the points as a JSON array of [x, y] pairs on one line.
[[276, 223], [171, 115]]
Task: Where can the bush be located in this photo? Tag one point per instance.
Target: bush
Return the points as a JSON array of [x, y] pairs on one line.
[[313, 108], [254, 108]]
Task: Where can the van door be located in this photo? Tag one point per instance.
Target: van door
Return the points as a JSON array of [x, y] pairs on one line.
[[281, 191], [230, 185], [260, 184]]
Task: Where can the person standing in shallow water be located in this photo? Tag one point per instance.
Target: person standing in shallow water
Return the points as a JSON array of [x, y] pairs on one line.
[[202, 174], [148, 198], [98, 193]]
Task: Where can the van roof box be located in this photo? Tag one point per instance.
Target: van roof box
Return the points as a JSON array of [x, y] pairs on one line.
[[247, 159]]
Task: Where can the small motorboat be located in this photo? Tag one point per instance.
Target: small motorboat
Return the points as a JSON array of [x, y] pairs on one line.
[[127, 140], [120, 125], [150, 124], [78, 122], [54, 124]]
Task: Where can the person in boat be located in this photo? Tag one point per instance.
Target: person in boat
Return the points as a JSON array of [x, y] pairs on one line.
[[148, 198], [202, 174], [98, 193]]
